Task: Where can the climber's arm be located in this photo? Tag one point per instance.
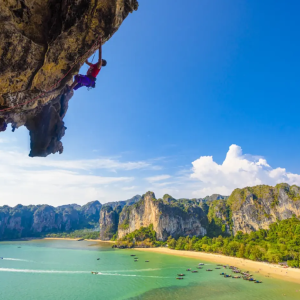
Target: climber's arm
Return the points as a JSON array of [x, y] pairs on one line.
[[99, 64], [88, 63]]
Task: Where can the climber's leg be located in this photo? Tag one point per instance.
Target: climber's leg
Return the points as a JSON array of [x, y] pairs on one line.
[[80, 80]]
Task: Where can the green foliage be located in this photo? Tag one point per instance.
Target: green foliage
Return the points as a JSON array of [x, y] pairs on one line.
[[238, 196], [141, 234], [115, 236], [82, 234], [143, 237], [219, 217], [280, 243]]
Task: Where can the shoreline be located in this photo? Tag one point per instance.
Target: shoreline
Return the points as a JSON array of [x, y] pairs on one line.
[[268, 270], [77, 239]]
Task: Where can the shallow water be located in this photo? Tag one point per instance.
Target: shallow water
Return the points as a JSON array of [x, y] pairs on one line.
[[51, 269]]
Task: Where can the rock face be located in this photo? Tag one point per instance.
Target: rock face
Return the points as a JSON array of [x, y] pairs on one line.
[[29, 221], [43, 43], [122, 203], [109, 216], [246, 210], [109, 220], [167, 217], [257, 207]]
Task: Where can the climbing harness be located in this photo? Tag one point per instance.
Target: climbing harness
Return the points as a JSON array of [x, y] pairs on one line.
[[53, 86]]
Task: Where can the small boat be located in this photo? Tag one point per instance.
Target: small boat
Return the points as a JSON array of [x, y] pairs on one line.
[[1, 257], [199, 268], [251, 279], [136, 260], [188, 269], [180, 274], [257, 281], [132, 255], [227, 276], [95, 272], [19, 247], [218, 268], [98, 258], [209, 270], [146, 260], [179, 278], [201, 264], [235, 277], [194, 271], [222, 273]]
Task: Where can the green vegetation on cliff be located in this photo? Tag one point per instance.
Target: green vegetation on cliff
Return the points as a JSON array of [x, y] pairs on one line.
[[280, 243], [144, 237], [262, 192], [220, 218]]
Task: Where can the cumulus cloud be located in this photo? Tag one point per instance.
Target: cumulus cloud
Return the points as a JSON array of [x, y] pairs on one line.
[[237, 171]]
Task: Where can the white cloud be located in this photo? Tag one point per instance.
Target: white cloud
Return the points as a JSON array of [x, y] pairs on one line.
[[237, 171], [158, 178], [36, 181], [86, 164]]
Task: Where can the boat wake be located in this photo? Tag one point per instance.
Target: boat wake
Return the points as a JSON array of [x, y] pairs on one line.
[[137, 270], [72, 272], [42, 271], [128, 275], [16, 259]]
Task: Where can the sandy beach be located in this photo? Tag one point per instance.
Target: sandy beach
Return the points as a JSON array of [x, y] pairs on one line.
[[270, 270]]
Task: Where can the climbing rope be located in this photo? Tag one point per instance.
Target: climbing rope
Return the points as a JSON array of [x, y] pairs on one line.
[[89, 88], [53, 86]]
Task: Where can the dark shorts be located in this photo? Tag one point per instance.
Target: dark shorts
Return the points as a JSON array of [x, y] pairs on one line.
[[82, 80]]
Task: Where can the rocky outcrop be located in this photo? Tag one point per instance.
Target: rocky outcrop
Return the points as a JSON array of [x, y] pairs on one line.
[[122, 203], [169, 217], [109, 216], [219, 217], [109, 220], [29, 221], [255, 208], [91, 212], [43, 43]]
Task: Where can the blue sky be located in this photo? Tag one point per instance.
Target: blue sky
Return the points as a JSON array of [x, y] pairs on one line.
[[183, 83]]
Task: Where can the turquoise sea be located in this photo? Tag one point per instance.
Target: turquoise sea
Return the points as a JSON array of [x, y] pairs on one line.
[[61, 270]]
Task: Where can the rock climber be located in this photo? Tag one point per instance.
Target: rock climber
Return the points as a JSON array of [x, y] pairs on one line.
[[89, 80]]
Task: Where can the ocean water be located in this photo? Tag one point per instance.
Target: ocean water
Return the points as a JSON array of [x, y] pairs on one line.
[[61, 270]]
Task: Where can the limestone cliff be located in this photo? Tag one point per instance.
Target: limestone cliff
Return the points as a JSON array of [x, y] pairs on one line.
[[40, 42], [109, 216], [28, 221], [219, 217], [109, 220], [255, 208], [168, 216]]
